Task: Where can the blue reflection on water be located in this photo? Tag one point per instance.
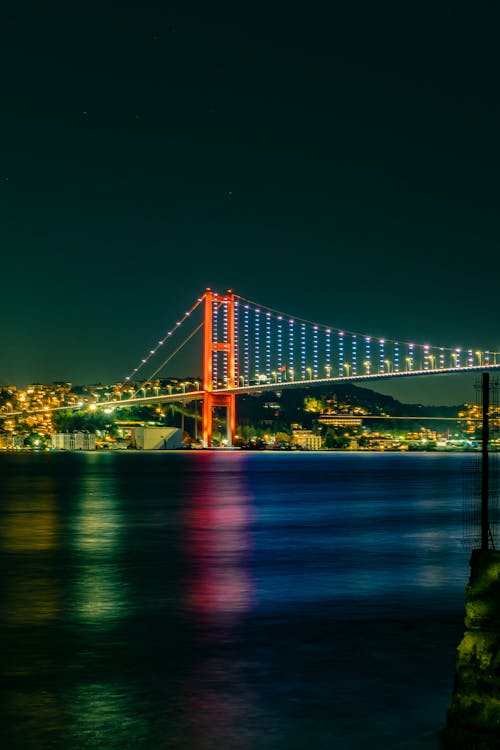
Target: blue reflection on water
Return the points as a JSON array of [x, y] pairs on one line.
[[195, 600]]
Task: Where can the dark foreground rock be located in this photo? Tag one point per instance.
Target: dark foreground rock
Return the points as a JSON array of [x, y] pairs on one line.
[[473, 720]]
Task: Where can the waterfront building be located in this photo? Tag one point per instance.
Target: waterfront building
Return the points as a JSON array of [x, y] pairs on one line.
[[340, 420], [157, 438], [73, 441], [307, 439]]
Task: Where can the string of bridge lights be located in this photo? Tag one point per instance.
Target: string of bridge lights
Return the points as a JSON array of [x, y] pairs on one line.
[[431, 355], [340, 331], [162, 341], [263, 326]]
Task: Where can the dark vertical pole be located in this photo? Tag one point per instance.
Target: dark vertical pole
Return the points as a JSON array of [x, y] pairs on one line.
[[484, 463]]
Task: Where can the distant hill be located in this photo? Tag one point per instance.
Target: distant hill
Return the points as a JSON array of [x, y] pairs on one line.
[[286, 406]]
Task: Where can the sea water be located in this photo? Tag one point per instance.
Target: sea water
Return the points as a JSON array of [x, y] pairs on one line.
[[234, 600]]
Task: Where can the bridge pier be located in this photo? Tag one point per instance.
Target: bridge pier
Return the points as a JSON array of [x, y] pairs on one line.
[[210, 400]]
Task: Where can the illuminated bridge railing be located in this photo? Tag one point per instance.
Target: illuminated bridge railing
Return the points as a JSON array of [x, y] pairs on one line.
[[247, 345], [272, 347]]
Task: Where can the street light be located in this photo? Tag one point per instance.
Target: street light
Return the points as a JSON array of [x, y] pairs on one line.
[[347, 367], [408, 363], [432, 359], [367, 365], [274, 374], [328, 369], [291, 372], [308, 369], [387, 363], [479, 358]]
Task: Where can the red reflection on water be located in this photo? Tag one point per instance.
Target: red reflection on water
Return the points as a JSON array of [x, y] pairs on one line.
[[217, 539], [215, 707]]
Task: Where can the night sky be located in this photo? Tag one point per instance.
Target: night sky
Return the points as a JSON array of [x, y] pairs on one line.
[[338, 161]]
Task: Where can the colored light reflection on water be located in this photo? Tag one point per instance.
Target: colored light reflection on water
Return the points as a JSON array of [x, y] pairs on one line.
[[237, 600], [217, 542], [96, 526]]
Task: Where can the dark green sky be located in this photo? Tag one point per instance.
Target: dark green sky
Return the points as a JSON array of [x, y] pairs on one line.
[[336, 161]]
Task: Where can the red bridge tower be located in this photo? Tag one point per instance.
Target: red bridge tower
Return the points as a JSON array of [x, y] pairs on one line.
[[211, 348]]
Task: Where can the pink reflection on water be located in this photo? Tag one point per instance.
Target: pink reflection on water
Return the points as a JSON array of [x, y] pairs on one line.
[[216, 708], [218, 541]]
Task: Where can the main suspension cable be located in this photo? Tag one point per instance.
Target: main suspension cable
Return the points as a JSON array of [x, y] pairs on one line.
[[183, 344], [170, 333]]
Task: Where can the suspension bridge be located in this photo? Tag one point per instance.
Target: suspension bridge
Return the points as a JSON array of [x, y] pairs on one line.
[[248, 347]]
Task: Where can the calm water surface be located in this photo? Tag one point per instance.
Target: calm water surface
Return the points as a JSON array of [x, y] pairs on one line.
[[199, 600]]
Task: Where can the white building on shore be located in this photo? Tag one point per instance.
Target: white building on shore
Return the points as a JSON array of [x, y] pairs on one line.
[[157, 438], [73, 441]]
